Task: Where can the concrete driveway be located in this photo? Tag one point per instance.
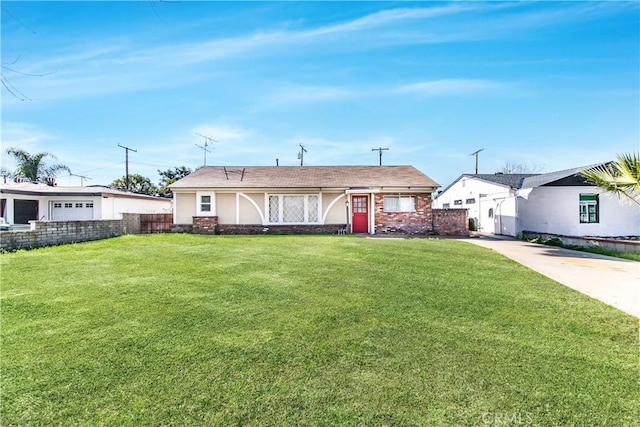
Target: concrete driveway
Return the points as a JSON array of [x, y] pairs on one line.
[[613, 281]]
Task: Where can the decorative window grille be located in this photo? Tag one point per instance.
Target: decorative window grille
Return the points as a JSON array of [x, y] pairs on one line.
[[312, 207], [274, 208], [294, 208]]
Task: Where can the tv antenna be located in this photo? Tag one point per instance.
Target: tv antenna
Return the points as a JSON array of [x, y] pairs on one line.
[[82, 178], [380, 150], [301, 154], [475, 153], [127, 164], [207, 140]]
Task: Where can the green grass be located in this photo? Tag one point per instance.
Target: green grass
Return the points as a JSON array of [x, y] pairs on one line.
[[299, 330]]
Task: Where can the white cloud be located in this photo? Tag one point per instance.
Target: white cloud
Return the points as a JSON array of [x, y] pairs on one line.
[[24, 136], [221, 133], [451, 87]]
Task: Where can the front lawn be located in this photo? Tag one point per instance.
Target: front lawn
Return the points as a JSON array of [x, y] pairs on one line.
[[300, 330]]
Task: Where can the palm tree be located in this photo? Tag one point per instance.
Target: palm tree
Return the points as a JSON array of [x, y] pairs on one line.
[[32, 167], [621, 176]]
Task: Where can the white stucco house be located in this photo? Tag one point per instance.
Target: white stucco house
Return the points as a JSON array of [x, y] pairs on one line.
[[489, 198], [560, 203], [306, 199], [23, 202], [563, 203]]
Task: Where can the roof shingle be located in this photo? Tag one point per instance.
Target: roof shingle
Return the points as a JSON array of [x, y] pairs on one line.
[[305, 177]]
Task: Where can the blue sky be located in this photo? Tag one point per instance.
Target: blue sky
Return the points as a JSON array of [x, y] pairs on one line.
[[552, 85]]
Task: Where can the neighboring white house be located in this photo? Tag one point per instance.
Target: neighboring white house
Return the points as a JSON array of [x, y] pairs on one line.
[[560, 203], [22, 202], [489, 198]]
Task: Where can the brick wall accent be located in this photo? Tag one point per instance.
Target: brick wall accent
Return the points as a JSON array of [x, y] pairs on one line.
[[450, 222], [418, 222], [279, 229], [205, 225], [58, 232]]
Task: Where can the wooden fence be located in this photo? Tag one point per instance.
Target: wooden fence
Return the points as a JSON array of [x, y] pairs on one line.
[[155, 223]]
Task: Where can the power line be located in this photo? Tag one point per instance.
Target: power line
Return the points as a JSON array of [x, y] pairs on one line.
[[380, 150]]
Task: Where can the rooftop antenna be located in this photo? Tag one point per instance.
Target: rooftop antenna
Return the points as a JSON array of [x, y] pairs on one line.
[[475, 153], [82, 178], [301, 154], [127, 164], [380, 150], [207, 139]]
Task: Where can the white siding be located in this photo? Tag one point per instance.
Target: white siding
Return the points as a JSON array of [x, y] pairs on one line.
[[113, 207], [555, 210], [496, 198]]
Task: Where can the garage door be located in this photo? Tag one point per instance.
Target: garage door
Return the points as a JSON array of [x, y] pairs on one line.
[[71, 211]]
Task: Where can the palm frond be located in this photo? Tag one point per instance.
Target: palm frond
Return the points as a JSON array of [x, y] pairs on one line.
[[621, 176]]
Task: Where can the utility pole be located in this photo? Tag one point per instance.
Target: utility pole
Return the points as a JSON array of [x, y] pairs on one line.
[[127, 149], [380, 150], [207, 139], [301, 154], [475, 153]]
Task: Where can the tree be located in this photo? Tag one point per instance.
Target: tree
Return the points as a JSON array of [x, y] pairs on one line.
[[33, 168], [512, 167], [621, 176], [137, 184], [170, 176]]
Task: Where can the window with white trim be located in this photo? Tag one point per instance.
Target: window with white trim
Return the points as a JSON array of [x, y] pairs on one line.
[[399, 203], [205, 203], [589, 208], [293, 208], [446, 206]]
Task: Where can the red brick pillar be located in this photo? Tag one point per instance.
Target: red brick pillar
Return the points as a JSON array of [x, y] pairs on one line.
[[205, 225]]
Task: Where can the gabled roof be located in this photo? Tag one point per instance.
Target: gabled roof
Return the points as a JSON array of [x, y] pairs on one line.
[[512, 180], [548, 178], [26, 188], [306, 177]]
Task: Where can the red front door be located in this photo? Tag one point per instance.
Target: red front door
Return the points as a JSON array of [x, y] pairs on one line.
[[360, 214]]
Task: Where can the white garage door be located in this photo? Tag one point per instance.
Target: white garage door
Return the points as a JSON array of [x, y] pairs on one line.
[[71, 210]]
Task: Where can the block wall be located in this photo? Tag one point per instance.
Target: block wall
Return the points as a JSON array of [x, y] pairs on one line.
[[58, 232]]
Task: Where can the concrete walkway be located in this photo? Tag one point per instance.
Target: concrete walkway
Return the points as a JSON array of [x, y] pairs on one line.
[[613, 281]]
